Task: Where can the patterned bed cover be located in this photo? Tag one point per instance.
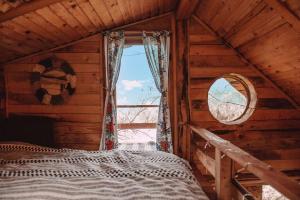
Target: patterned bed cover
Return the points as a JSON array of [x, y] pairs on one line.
[[34, 172]]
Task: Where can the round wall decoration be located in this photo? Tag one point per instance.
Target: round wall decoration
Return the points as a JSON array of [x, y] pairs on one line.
[[231, 99], [53, 80]]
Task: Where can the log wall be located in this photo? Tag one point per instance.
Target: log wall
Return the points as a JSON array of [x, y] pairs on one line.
[[78, 122], [272, 132]]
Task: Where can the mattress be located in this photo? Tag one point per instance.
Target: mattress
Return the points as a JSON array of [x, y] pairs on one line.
[[34, 172]]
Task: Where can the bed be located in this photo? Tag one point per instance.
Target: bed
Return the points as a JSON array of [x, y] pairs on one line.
[[35, 172]]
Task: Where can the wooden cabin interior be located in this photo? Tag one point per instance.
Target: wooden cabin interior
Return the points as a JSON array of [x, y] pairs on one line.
[[251, 45]]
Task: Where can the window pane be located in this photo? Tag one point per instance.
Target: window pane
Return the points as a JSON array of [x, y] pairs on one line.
[[137, 115], [137, 135], [227, 99], [136, 86]]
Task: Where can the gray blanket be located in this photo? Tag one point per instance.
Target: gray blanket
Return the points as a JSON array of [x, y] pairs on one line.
[[34, 172]]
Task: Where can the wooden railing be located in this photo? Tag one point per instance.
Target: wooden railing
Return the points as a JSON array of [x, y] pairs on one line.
[[135, 125], [222, 168]]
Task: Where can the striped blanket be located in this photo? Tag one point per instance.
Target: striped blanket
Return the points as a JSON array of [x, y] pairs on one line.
[[34, 172]]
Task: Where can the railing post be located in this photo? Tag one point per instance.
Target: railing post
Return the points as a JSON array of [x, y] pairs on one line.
[[223, 171]]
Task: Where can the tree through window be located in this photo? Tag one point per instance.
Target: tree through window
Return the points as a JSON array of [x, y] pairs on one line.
[[137, 101]]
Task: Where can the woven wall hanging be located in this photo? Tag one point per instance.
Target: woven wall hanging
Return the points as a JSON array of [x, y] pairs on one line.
[[53, 80]]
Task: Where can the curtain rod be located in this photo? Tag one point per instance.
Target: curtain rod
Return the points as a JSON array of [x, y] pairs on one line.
[[139, 33]]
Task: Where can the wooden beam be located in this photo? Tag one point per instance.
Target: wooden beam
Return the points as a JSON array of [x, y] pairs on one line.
[[142, 21], [186, 8], [223, 169], [82, 39], [173, 84], [290, 17], [250, 180], [137, 106], [256, 68], [278, 180], [137, 126], [181, 86], [26, 8], [206, 161]]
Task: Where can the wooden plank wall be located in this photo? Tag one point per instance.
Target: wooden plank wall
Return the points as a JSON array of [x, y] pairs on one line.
[[266, 32], [271, 133], [2, 94], [78, 122]]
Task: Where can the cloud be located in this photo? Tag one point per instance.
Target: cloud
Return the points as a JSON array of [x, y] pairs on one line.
[[131, 84]]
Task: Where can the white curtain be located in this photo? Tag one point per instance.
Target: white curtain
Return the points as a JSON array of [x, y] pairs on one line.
[[114, 44], [157, 47]]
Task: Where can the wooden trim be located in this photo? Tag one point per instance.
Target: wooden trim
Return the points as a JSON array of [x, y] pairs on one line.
[[137, 126], [251, 180], [101, 83], [223, 176], [243, 58], [290, 17], [186, 8], [142, 21], [82, 39], [173, 84], [26, 8], [188, 102], [137, 106], [6, 94], [182, 86], [287, 186], [208, 162]]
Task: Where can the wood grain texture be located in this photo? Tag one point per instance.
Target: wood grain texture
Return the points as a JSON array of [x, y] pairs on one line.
[[44, 24], [278, 180], [78, 121], [266, 32], [271, 133], [2, 95]]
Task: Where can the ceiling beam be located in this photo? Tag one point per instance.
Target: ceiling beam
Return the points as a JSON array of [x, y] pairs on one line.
[[290, 17], [243, 58], [26, 8], [186, 8], [142, 21]]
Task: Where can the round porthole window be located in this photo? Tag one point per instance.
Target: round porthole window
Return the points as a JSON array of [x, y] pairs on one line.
[[231, 99]]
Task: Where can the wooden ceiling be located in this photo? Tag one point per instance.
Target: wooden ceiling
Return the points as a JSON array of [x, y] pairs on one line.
[[43, 24], [6, 5], [266, 32]]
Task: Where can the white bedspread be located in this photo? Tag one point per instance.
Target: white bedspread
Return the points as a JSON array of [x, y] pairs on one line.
[[33, 172]]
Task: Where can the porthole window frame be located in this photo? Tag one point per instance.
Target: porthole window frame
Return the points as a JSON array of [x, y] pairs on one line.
[[251, 99]]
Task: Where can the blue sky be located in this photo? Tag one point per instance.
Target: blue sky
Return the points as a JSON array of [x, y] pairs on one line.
[[135, 84], [223, 90]]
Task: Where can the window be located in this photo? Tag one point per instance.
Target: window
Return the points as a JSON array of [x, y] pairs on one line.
[[231, 99], [137, 101]]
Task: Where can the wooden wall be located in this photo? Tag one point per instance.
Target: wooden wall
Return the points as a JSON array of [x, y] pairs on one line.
[[266, 32], [78, 122], [2, 94], [272, 132]]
